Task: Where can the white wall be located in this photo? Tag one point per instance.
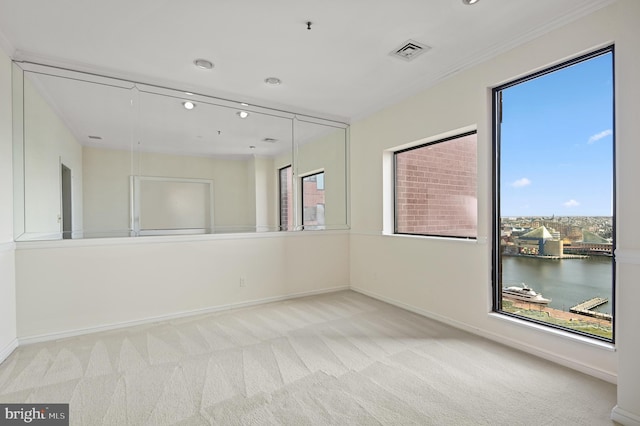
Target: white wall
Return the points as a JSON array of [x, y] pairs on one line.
[[265, 189], [47, 143], [231, 199], [106, 187], [328, 153], [106, 191], [7, 263], [626, 16], [88, 284], [451, 280]]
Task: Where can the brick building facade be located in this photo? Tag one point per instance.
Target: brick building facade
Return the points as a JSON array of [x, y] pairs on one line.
[[436, 189]]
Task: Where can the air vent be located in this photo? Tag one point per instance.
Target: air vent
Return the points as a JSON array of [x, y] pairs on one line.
[[410, 50]]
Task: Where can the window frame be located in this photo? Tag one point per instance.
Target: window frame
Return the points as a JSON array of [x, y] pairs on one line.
[[285, 226], [496, 263], [394, 163]]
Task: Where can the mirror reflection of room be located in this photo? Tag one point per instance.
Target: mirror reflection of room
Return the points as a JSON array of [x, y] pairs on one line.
[[101, 157]]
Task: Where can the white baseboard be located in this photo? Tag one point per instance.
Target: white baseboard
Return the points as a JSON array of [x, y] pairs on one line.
[[603, 375], [624, 417], [161, 318], [7, 350]]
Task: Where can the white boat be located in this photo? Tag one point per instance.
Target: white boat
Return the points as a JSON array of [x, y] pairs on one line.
[[524, 293]]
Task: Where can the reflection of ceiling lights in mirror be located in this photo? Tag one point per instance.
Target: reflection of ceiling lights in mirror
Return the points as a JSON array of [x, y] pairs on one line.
[[274, 81], [159, 109], [203, 64]]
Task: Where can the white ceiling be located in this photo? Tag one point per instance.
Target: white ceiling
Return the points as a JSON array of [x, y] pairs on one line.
[[340, 69]]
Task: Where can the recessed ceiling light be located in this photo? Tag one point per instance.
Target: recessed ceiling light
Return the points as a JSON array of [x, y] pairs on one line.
[[252, 147], [244, 104], [188, 93], [188, 105], [469, 2], [270, 140], [273, 81], [203, 64], [242, 114]]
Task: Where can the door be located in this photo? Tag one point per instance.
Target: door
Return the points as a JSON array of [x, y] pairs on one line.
[[67, 215]]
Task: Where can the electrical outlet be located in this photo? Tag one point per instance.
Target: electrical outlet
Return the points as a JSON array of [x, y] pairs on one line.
[[243, 281]]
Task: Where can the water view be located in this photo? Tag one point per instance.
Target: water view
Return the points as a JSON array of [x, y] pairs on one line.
[[556, 194], [567, 282]]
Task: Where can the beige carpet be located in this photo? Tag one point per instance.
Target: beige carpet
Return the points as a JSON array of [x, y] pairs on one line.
[[335, 359]]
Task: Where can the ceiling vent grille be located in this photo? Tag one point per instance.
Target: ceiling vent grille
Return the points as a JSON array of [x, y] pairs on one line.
[[410, 50]]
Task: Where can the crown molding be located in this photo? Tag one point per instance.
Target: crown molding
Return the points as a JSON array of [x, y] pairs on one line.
[[6, 46]]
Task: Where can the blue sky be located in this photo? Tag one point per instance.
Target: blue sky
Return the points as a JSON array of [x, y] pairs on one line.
[[557, 143]]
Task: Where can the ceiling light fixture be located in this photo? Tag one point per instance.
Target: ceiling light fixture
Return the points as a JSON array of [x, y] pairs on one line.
[[470, 2], [203, 64], [274, 81], [242, 114], [188, 105], [244, 104]]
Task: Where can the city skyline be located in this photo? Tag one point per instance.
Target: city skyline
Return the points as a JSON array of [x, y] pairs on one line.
[[556, 148]]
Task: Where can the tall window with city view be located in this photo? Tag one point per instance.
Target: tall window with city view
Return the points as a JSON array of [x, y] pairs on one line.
[[554, 196]]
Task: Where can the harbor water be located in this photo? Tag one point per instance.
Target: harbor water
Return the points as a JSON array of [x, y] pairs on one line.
[[567, 282]]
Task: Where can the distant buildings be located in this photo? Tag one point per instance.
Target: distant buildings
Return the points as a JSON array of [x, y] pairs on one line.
[[591, 244], [569, 238]]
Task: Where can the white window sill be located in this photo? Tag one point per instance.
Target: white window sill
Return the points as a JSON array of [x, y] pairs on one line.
[[554, 331], [478, 240], [90, 242]]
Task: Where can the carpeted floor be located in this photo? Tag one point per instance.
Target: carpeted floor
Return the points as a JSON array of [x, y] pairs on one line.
[[334, 359]]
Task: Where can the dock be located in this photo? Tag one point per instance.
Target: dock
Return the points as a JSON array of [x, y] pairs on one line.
[[586, 308]]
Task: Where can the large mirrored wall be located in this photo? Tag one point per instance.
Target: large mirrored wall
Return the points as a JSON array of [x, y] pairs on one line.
[[97, 157]]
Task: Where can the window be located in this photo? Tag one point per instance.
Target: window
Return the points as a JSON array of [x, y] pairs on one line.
[[285, 183], [313, 201], [435, 188], [554, 198]]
